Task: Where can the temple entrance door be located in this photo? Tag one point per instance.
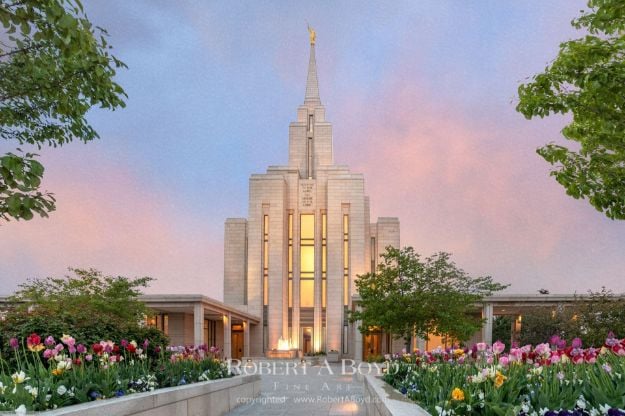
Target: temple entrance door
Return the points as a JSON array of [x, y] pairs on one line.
[[307, 340], [372, 344], [237, 344]]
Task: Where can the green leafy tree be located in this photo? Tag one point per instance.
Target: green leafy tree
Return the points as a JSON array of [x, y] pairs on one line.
[[541, 323], [502, 328], [54, 67], [407, 295], [598, 314], [87, 305], [587, 80]]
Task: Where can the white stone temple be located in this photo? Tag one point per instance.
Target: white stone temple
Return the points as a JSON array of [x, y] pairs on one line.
[[308, 234]]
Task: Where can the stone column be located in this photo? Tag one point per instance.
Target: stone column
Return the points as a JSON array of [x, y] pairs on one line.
[[487, 329], [246, 338], [198, 324], [227, 352], [421, 344]]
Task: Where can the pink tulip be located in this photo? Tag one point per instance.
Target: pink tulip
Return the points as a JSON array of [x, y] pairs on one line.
[[88, 357], [81, 349], [504, 361], [50, 341], [481, 346], [498, 347]]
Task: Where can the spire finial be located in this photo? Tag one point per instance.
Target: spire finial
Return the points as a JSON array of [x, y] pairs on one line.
[[312, 34], [312, 87]]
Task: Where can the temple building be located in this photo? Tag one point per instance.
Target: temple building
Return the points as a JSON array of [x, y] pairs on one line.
[[294, 260]]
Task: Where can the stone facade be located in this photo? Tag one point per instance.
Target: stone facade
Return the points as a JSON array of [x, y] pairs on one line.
[[294, 260]]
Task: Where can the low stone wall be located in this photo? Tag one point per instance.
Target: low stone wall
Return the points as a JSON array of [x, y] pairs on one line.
[[381, 399], [208, 398]]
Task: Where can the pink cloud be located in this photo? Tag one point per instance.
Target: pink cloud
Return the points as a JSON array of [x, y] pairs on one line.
[[107, 219], [470, 183]]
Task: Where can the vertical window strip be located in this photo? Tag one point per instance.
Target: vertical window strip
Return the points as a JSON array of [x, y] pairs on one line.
[[324, 257], [307, 260], [290, 260], [265, 257], [373, 255], [345, 259], [345, 281], [266, 260]]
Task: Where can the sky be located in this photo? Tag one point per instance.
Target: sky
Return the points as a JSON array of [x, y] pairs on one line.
[[422, 99]]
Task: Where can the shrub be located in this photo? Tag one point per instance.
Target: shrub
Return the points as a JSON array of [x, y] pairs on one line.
[[87, 304]]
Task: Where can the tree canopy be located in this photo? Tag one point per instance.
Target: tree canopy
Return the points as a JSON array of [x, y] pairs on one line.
[[408, 294], [85, 304], [587, 80], [54, 67]]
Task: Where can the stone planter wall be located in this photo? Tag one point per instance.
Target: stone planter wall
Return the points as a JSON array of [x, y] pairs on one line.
[[208, 398], [333, 356], [383, 400]]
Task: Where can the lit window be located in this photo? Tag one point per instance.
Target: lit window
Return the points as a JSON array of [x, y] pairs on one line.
[[265, 260], [307, 293], [307, 260], [324, 257], [308, 227], [345, 259]]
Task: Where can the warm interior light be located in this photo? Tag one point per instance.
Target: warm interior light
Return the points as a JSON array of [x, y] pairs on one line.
[[283, 344]]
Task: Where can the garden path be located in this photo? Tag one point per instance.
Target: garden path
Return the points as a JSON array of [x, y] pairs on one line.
[[319, 390]]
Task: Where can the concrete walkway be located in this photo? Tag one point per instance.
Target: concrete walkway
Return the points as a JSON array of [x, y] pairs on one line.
[[305, 391]]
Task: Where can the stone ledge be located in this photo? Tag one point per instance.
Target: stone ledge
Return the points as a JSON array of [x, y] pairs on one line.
[[208, 398], [382, 400]]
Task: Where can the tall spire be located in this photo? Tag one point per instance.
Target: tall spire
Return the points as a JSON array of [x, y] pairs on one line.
[[312, 86]]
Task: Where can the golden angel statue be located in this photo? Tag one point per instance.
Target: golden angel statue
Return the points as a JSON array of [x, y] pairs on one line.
[[312, 34]]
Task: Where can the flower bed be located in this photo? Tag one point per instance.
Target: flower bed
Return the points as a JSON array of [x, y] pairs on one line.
[[47, 374], [553, 379]]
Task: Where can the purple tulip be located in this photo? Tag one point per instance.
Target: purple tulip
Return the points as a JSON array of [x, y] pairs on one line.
[[14, 343], [576, 343], [145, 344], [81, 349], [555, 340], [561, 344], [124, 343], [50, 341], [72, 349]]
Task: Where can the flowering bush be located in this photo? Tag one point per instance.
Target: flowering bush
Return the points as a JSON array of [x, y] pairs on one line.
[[49, 373], [552, 379]]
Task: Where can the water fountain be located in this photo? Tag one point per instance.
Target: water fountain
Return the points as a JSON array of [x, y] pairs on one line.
[[283, 350]]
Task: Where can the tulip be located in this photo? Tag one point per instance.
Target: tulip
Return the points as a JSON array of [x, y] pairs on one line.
[[81, 349], [19, 378], [14, 343], [50, 341], [576, 343], [498, 347], [97, 348]]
